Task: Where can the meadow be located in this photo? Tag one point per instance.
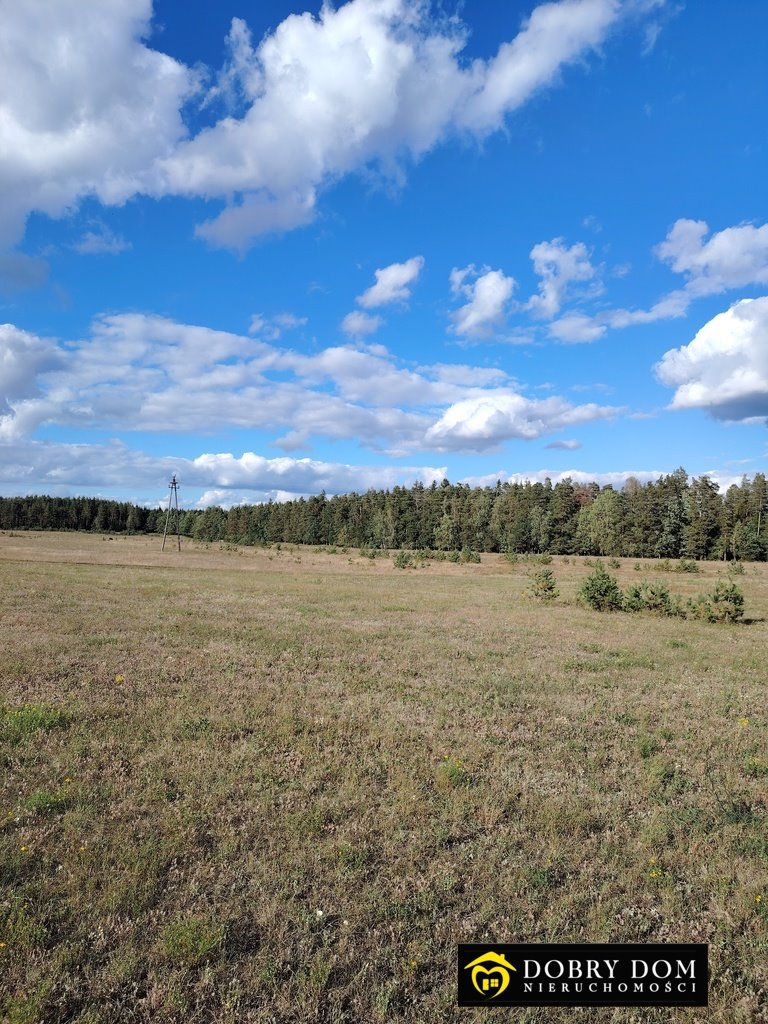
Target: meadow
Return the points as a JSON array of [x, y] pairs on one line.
[[281, 784]]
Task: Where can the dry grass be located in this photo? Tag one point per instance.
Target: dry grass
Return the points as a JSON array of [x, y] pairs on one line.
[[272, 786]]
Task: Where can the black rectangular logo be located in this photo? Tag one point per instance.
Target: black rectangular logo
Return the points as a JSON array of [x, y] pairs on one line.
[[593, 974]]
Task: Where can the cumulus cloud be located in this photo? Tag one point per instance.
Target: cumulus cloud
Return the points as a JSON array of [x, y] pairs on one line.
[[576, 327], [558, 266], [23, 357], [393, 283], [617, 478], [725, 368], [85, 106], [484, 421], [359, 325], [735, 257], [53, 466], [488, 293], [134, 369], [370, 83], [732, 258]]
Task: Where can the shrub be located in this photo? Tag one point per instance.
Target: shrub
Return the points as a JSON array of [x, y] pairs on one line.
[[727, 602], [724, 604], [542, 559], [637, 567], [468, 555], [512, 557], [686, 565], [454, 556], [404, 560], [601, 591], [614, 563], [544, 586], [736, 569], [651, 597], [664, 565]]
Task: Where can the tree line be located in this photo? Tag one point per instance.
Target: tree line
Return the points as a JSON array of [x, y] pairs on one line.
[[671, 517]]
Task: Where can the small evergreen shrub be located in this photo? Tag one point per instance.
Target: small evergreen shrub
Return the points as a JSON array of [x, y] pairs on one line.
[[614, 563], [727, 602], [724, 604], [601, 591], [544, 586], [543, 559], [468, 555], [736, 569], [453, 556], [651, 597], [664, 565], [686, 565], [512, 557], [404, 560]]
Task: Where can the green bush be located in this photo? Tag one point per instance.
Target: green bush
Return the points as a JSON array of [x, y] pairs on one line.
[[727, 602], [544, 586], [651, 597], [601, 591], [736, 569], [614, 563], [686, 565], [512, 557], [468, 555], [724, 604], [454, 556], [542, 559], [404, 560]]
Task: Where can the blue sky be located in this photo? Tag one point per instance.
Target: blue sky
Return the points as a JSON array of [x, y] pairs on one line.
[[278, 250]]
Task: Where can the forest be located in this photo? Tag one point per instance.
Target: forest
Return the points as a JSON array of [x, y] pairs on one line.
[[670, 517]]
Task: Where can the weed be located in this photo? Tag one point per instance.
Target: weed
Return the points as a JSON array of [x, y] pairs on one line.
[[17, 724], [191, 942], [451, 774]]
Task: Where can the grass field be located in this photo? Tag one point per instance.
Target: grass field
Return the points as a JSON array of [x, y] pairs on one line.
[[268, 786]]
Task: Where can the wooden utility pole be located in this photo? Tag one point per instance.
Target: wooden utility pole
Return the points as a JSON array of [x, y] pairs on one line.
[[173, 501]]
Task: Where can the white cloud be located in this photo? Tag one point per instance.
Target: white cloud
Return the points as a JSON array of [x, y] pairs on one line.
[[140, 372], [568, 446], [371, 83], [55, 466], [23, 357], [488, 292], [732, 258], [85, 106], [725, 368], [615, 479], [272, 328], [360, 325], [558, 267], [576, 327], [484, 421], [393, 283]]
